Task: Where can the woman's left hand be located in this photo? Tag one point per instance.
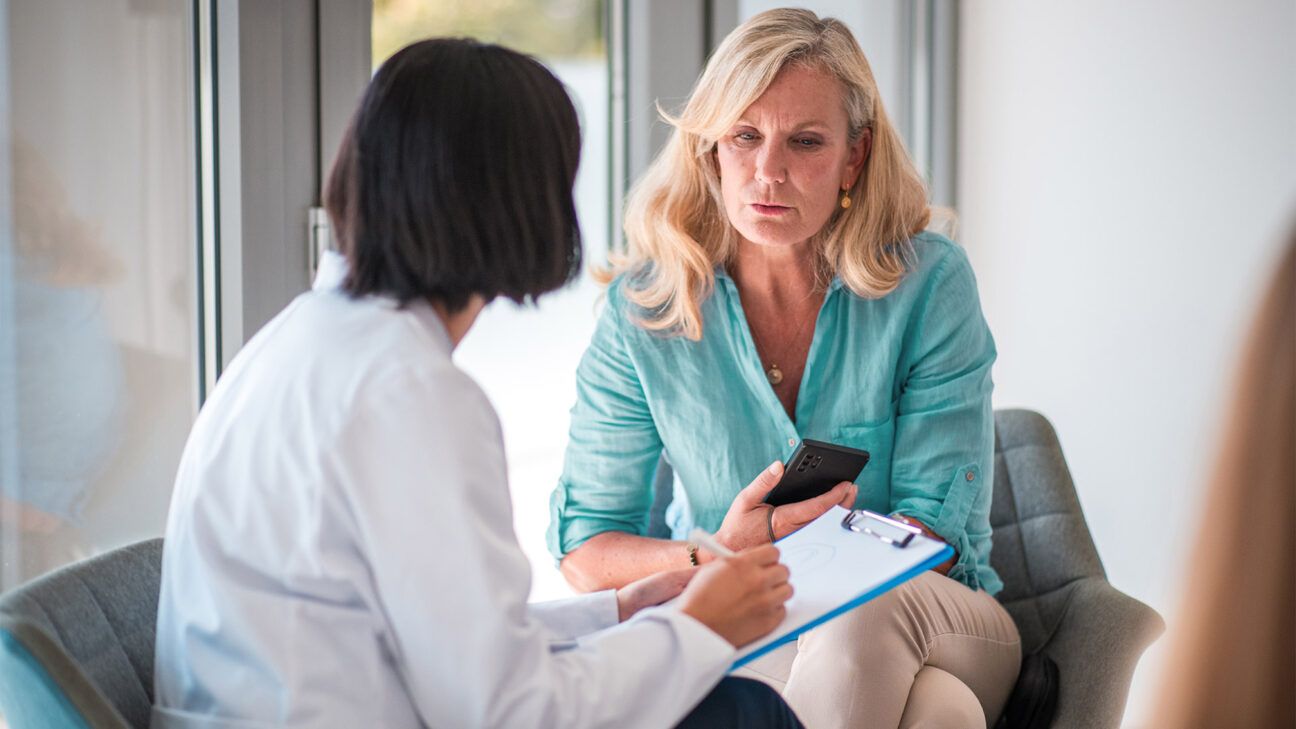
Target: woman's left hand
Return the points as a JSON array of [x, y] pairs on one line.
[[651, 590]]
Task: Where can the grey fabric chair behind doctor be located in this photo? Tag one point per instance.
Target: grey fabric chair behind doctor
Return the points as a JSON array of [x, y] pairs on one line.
[[79, 643], [1055, 587]]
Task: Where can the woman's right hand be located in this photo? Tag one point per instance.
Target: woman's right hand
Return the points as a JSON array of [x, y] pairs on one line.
[[749, 519], [741, 597]]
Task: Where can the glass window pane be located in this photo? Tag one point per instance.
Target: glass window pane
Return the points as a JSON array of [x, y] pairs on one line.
[[97, 282], [525, 358]]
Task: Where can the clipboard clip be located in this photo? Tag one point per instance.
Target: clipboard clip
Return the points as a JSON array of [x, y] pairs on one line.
[[896, 533]]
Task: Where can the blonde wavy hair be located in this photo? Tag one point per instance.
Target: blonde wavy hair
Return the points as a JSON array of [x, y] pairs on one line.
[[675, 222]]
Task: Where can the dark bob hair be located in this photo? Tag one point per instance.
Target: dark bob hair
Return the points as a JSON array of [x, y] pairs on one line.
[[455, 178]]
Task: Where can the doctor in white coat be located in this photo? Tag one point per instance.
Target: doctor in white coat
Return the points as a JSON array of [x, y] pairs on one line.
[[340, 549]]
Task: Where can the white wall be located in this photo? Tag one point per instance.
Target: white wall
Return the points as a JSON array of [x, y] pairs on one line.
[[1126, 170]]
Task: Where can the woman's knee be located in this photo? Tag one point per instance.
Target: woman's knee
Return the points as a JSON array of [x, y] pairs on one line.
[[939, 700]]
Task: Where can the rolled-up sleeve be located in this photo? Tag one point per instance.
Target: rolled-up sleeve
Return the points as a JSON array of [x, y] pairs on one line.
[[613, 447], [943, 459]]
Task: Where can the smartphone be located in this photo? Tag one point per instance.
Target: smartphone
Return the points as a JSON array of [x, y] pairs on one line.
[[814, 468]]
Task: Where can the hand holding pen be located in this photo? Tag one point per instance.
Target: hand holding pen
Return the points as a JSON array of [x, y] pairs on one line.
[[740, 595]]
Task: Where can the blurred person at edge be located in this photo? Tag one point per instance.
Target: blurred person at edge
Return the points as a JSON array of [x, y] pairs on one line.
[[340, 549], [781, 285], [1232, 660], [67, 374]]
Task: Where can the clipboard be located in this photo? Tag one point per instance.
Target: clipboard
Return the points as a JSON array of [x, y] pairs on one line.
[[842, 560]]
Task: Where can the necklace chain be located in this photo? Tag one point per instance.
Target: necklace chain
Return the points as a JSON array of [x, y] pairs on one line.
[[773, 373]]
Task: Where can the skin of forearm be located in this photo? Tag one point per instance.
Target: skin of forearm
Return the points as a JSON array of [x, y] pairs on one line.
[[612, 560]]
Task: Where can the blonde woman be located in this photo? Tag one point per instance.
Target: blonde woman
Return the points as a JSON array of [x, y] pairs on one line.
[[780, 286]]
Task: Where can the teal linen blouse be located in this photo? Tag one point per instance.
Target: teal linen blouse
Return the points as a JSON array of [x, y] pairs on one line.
[[905, 377]]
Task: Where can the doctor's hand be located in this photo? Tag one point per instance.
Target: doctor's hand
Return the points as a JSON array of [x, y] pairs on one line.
[[750, 521], [651, 590], [741, 597]]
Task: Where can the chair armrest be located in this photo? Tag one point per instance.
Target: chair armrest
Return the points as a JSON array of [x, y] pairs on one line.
[[43, 685], [1097, 645]]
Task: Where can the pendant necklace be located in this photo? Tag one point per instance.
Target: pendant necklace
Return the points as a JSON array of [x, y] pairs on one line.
[[774, 374]]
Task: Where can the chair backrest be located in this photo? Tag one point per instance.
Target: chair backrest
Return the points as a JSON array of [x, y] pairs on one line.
[[1042, 544], [90, 629]]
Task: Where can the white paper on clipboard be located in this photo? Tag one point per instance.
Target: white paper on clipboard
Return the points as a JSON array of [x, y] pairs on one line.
[[834, 569]]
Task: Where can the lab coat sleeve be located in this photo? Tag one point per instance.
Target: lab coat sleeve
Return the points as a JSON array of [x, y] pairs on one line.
[[573, 617], [421, 466]]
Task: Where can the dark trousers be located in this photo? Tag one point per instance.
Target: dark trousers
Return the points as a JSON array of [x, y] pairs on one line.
[[741, 702]]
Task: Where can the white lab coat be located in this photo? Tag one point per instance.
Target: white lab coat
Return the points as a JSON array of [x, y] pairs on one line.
[[340, 552]]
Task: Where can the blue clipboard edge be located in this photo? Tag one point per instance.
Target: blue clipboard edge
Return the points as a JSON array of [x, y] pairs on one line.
[[899, 579]]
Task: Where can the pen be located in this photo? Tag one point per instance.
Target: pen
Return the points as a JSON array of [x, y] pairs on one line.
[[702, 539]]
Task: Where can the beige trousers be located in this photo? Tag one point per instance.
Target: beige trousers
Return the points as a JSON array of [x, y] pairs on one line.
[[931, 653]]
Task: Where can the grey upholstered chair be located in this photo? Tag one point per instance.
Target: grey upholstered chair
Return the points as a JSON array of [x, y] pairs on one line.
[[1054, 584], [76, 646]]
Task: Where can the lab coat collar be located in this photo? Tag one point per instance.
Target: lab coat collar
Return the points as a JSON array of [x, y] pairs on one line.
[[332, 271]]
